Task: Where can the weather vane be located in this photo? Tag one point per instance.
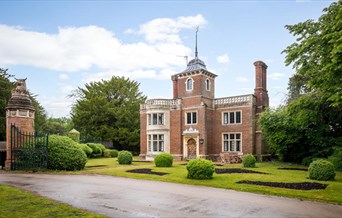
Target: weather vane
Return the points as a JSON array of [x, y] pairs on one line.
[[196, 53]]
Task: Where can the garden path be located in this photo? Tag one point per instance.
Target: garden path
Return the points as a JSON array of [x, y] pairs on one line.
[[124, 197]]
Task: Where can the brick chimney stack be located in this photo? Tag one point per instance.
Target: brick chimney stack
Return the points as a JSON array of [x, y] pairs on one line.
[[260, 90], [175, 86]]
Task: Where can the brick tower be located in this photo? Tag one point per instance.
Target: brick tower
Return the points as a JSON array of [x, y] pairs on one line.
[[19, 112]]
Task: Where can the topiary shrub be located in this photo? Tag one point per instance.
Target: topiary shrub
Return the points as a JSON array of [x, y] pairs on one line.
[[125, 157], [163, 160], [64, 154], [106, 153], [86, 149], [248, 160], [321, 170], [97, 151], [114, 153], [200, 169]]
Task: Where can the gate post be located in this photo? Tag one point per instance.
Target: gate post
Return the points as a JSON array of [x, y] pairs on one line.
[[20, 112]]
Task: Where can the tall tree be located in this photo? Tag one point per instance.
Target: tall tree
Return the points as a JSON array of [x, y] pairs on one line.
[[6, 87], [109, 110], [317, 55]]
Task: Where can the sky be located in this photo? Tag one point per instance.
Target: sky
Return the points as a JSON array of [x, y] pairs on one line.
[[62, 45]]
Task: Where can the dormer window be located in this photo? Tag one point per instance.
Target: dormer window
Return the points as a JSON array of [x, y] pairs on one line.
[[189, 84], [207, 84]]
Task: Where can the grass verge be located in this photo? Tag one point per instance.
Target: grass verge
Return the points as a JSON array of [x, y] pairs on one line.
[[19, 203]]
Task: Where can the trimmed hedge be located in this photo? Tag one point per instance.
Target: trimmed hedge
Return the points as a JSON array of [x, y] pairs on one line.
[[125, 157], [321, 170], [86, 149], [336, 158], [200, 169], [64, 154], [163, 160], [114, 153], [97, 151], [107, 152], [248, 161]]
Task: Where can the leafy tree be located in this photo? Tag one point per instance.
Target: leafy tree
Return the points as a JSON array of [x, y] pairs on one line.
[[317, 55], [6, 87], [58, 126], [109, 110], [40, 114], [310, 125]]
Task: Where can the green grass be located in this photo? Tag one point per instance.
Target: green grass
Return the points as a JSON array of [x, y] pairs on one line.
[[18, 203], [178, 174]]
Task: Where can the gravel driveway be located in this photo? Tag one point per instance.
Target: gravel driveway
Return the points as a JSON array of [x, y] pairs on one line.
[[123, 197]]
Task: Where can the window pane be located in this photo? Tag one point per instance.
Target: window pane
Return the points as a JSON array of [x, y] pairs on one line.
[[238, 136], [161, 146], [154, 119], [207, 84], [225, 118], [231, 116], [160, 119], [238, 145], [149, 119], [238, 117], [225, 147], [161, 137], [231, 146], [232, 136], [155, 146], [225, 136], [155, 137], [189, 84], [149, 137], [194, 117], [188, 118]]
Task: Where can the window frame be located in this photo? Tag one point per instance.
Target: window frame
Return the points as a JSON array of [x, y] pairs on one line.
[[227, 118], [155, 119], [228, 142], [192, 113], [207, 84], [155, 139], [187, 85]]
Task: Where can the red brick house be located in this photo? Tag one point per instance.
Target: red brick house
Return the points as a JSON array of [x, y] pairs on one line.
[[195, 124]]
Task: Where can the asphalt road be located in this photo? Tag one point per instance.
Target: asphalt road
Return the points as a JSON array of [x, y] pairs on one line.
[[123, 197]]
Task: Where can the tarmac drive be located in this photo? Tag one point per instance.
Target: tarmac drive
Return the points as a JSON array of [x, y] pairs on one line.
[[123, 197]]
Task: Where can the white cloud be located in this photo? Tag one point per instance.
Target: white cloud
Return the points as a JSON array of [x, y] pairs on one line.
[[63, 76], [275, 76], [74, 49], [57, 106], [167, 29], [67, 89], [223, 59], [242, 79]]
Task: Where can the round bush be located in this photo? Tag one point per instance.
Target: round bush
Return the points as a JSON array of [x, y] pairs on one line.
[[106, 153], [125, 157], [200, 169], [64, 154], [163, 160], [321, 170], [97, 151], [86, 149], [248, 160], [114, 153]]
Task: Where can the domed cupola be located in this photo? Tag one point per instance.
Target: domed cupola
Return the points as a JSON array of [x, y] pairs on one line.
[[195, 64]]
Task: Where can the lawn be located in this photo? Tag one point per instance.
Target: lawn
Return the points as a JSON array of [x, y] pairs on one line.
[[18, 203], [178, 174]]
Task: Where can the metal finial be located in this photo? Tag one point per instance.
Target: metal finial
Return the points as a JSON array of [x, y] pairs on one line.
[[196, 52]]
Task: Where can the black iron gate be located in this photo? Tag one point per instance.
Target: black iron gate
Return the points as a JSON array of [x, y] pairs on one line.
[[28, 151]]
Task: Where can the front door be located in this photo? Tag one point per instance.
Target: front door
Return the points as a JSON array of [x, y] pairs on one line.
[[191, 149]]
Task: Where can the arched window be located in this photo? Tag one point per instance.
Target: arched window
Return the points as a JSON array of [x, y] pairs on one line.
[[189, 84], [207, 84]]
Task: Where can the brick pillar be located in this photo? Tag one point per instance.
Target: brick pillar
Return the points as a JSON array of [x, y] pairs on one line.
[[19, 112]]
